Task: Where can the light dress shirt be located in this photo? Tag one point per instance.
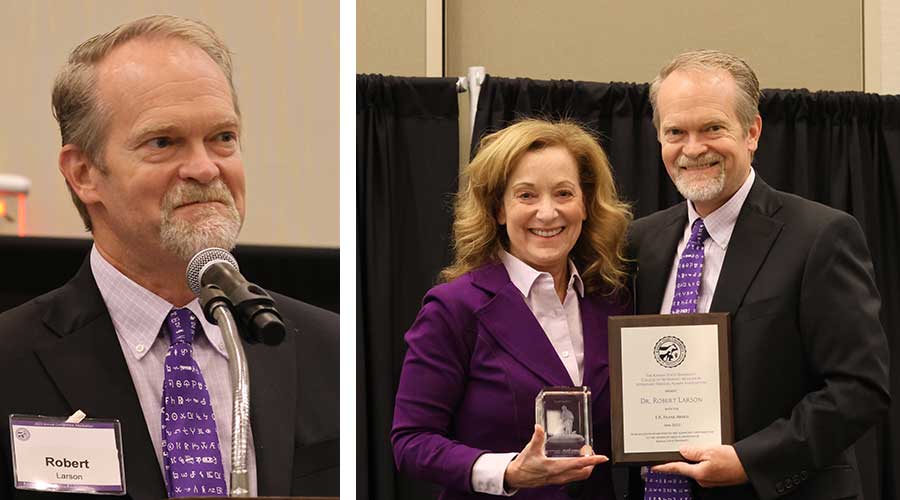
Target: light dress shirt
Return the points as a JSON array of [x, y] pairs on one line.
[[138, 315], [561, 322], [720, 224]]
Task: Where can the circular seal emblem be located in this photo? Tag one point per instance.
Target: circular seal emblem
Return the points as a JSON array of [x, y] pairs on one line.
[[22, 434], [669, 351]]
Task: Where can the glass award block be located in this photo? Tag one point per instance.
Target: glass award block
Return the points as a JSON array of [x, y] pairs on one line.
[[565, 415]]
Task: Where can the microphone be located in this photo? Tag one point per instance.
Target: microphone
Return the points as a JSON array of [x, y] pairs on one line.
[[214, 276]]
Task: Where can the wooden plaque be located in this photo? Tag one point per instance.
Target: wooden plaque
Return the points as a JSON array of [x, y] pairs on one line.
[[670, 385]]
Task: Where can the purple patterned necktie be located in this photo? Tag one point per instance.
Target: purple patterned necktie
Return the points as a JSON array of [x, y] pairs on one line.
[[193, 462], [690, 267], [660, 486]]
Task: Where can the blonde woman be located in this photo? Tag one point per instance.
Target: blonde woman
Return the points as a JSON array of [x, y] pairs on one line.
[[538, 238]]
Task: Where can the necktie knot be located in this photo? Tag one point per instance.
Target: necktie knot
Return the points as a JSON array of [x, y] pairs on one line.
[[181, 325], [689, 272], [699, 232]]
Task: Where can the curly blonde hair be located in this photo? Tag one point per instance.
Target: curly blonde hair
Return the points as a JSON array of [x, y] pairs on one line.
[[477, 236]]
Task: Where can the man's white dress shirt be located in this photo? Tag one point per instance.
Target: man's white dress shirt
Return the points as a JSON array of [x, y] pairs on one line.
[[719, 224], [138, 316]]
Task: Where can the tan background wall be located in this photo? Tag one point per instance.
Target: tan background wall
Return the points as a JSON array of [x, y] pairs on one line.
[[801, 43], [286, 73], [390, 37], [889, 50], [789, 44]]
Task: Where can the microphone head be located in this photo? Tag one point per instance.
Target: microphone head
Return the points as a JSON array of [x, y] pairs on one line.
[[201, 261]]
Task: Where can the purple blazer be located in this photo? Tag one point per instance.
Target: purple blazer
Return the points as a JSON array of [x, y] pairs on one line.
[[477, 358]]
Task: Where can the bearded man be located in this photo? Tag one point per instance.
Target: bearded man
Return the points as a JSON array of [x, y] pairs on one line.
[[151, 154], [809, 356]]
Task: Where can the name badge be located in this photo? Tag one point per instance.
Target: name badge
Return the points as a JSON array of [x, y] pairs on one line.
[[60, 455]]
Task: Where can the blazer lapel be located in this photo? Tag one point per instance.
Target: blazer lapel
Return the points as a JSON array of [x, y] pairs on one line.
[[753, 236], [88, 368], [656, 260], [508, 320], [273, 405], [594, 312]]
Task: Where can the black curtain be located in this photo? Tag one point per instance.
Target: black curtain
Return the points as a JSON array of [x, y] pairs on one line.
[[36, 265], [407, 163], [838, 148]]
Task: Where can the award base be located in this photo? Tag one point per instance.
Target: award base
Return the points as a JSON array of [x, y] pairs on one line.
[[564, 446]]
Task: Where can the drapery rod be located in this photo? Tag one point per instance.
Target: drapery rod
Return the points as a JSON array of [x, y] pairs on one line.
[[475, 76], [471, 83], [462, 85]]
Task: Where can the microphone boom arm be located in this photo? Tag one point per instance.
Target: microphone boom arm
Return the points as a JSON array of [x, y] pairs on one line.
[[217, 309], [213, 275]]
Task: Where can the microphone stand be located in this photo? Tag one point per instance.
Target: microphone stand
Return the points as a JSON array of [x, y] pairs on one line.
[[218, 307]]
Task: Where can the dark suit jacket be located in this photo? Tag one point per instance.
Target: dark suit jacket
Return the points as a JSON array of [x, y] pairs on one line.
[[809, 356], [477, 359], [59, 353]]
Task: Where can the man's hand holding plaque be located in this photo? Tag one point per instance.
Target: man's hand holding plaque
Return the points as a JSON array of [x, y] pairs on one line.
[[712, 465]]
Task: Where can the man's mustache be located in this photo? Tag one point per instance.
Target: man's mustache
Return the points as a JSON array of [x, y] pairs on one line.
[[192, 192], [702, 160]]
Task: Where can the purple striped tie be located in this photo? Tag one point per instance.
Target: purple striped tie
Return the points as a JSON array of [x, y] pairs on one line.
[[193, 461], [660, 486]]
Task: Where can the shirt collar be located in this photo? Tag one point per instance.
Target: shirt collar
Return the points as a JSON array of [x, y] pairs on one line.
[[523, 276], [720, 223], [137, 313]]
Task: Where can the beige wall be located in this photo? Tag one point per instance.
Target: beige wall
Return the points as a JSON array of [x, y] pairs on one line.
[[390, 37], [889, 50], [789, 44], [286, 73]]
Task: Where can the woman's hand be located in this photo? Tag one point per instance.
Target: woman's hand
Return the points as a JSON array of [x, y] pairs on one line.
[[531, 468]]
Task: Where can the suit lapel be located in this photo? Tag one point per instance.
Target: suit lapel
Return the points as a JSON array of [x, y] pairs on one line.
[[87, 366], [508, 320], [754, 233], [656, 259], [273, 394]]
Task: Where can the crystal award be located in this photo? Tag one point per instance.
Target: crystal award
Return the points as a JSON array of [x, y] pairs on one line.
[[565, 415]]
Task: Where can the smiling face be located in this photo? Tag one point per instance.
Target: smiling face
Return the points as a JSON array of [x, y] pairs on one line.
[[543, 209], [704, 147], [174, 180]]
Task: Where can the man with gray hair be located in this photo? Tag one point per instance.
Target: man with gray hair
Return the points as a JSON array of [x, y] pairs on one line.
[[151, 155], [809, 356]]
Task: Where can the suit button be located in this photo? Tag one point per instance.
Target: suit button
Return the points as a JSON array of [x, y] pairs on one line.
[[778, 487], [797, 479], [803, 475]]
